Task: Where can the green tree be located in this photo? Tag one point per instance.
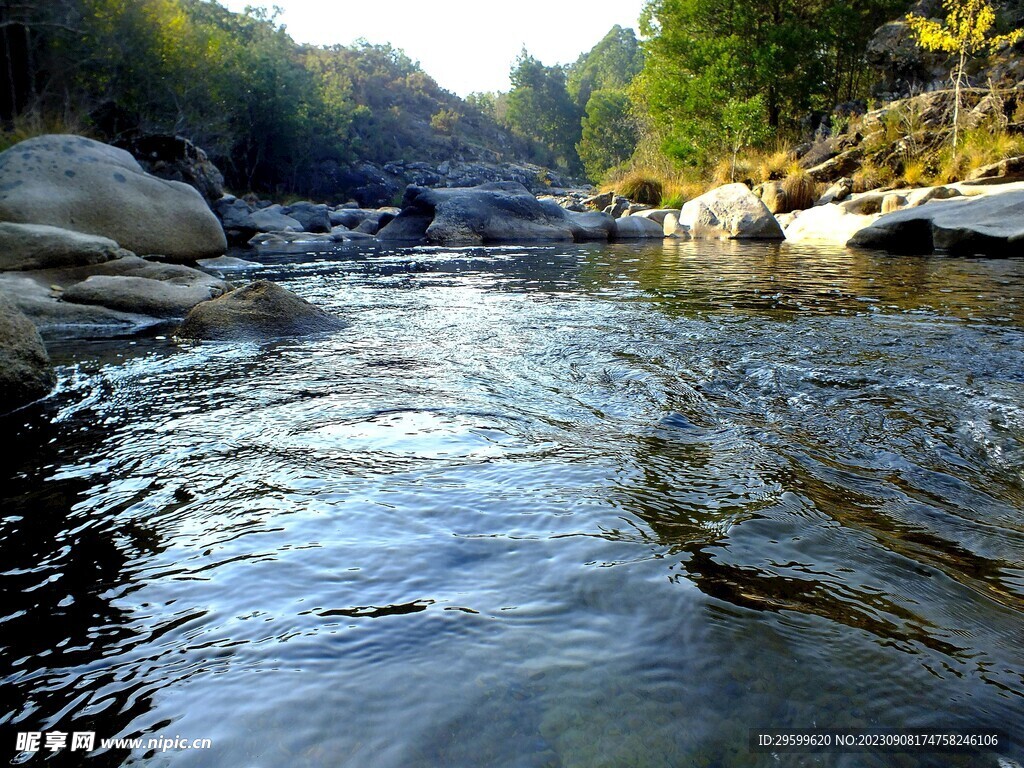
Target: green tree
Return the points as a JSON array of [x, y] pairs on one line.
[[540, 109], [610, 65], [609, 133], [965, 33]]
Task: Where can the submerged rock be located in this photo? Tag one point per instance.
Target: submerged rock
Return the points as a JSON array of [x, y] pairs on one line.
[[86, 186], [730, 212], [255, 311], [25, 373], [37, 246]]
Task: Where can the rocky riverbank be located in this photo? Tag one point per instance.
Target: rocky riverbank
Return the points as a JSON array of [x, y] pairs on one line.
[[92, 245]]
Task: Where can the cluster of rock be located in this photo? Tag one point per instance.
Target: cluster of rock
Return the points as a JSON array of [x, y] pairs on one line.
[[74, 216], [259, 222], [374, 185]]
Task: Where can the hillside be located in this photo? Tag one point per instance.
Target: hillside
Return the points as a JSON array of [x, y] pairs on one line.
[[275, 117]]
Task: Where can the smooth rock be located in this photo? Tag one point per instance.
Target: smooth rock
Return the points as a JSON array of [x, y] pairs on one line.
[[273, 219], [588, 226], [138, 295], [38, 246], [255, 311], [893, 202], [83, 185], [657, 214], [489, 213], [32, 295], [25, 373], [992, 225], [312, 217], [635, 228], [830, 223], [730, 212]]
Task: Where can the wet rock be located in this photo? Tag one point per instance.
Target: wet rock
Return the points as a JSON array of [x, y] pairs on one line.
[[256, 311], [992, 225], [25, 373], [312, 217], [498, 212], [37, 246], [730, 212], [635, 228], [83, 185]]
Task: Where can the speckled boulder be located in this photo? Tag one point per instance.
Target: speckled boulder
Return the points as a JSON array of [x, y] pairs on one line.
[[87, 186], [256, 311]]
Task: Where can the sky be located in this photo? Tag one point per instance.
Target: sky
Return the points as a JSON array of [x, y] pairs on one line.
[[465, 45]]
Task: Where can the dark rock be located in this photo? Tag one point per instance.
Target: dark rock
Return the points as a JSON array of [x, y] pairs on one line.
[[989, 226], [489, 213], [177, 159], [256, 311], [25, 373], [311, 216]]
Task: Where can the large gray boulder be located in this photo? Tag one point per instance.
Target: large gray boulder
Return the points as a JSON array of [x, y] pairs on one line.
[[256, 311], [86, 186], [25, 373], [37, 246], [312, 217], [489, 213], [731, 212], [988, 226]]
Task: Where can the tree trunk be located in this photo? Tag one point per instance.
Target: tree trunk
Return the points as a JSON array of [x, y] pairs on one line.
[[956, 106]]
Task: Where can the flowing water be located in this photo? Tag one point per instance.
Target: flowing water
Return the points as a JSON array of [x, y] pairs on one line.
[[564, 506]]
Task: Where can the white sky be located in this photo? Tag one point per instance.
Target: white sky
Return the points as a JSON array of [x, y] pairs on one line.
[[466, 45]]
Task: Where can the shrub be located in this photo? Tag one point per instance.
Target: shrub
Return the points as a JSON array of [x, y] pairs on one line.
[[800, 190], [640, 188], [776, 165]]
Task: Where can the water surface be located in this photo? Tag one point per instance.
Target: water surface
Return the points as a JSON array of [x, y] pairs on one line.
[[563, 506]]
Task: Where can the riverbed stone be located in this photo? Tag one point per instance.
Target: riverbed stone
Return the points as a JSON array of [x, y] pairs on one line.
[[256, 311], [489, 213], [25, 372], [312, 217], [992, 225], [86, 186], [730, 212], [38, 246], [636, 228]]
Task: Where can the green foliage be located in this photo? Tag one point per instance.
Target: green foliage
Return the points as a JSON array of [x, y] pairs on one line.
[[270, 113], [612, 64], [966, 32], [541, 110], [707, 60], [609, 133], [640, 188]]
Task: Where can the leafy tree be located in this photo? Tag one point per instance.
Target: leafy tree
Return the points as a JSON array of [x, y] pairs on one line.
[[611, 64], [609, 133], [742, 126], [540, 109], [966, 32]]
